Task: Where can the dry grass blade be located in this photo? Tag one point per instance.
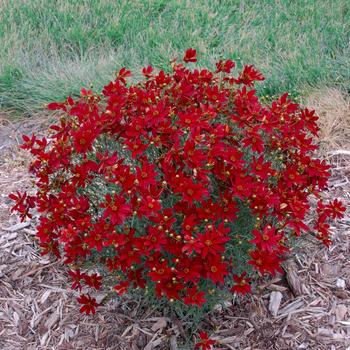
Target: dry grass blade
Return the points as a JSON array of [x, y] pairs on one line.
[[333, 108]]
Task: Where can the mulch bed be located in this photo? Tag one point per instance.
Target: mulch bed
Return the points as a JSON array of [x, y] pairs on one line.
[[308, 308]]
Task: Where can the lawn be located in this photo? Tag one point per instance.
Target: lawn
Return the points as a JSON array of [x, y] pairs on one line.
[[50, 49]]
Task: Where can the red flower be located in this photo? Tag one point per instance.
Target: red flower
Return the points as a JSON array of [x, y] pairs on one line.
[[309, 118], [84, 137], [160, 271], [192, 191], [189, 269], [20, 201], [68, 234], [122, 287], [205, 343], [156, 238], [261, 169], [93, 280], [189, 119], [147, 71], [267, 240], [85, 92], [23, 205], [149, 207], [293, 177], [136, 147], [123, 176], [55, 106], [249, 75], [253, 139], [77, 277], [242, 285], [116, 209], [169, 288], [194, 297], [89, 304], [265, 262], [51, 247], [129, 255], [29, 142], [123, 74], [216, 269], [224, 66], [190, 56], [164, 218], [146, 175], [95, 238], [212, 242], [336, 209], [323, 232]]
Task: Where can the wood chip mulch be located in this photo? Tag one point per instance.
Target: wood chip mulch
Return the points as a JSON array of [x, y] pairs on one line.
[[308, 308]]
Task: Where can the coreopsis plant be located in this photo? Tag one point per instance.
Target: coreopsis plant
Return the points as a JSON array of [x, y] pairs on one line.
[[183, 184]]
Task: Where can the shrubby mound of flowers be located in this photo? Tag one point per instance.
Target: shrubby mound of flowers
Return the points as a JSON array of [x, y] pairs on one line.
[[183, 184]]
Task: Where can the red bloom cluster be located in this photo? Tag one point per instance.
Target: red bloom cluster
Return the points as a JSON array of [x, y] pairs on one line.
[[147, 180], [205, 343]]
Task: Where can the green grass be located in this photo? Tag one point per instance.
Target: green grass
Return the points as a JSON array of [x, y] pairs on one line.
[[51, 48]]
